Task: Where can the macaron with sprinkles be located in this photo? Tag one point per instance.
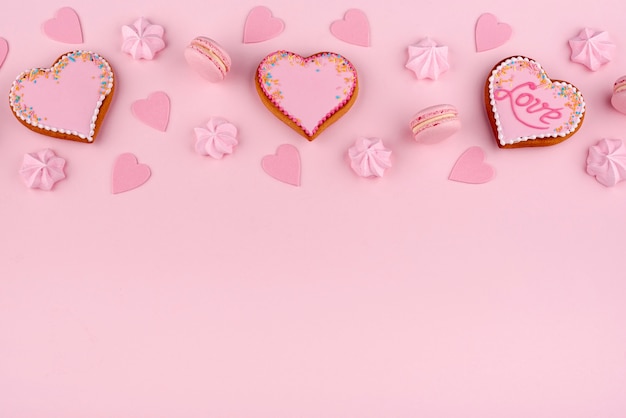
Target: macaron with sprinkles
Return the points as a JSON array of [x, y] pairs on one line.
[[435, 123], [208, 59]]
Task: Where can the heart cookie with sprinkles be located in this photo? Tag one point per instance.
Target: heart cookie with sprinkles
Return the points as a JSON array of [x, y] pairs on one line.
[[307, 93], [68, 100], [528, 109]]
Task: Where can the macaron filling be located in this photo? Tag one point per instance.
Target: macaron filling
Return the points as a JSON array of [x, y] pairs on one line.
[[417, 126], [620, 85], [217, 60]]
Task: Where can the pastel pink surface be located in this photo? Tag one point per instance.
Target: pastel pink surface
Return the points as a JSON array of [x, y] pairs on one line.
[[490, 33], [153, 111], [128, 174], [307, 89], [354, 28], [284, 165], [261, 25], [472, 168], [214, 290], [4, 50], [64, 27]]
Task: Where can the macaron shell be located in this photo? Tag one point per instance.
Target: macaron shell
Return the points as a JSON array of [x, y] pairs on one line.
[[618, 100], [214, 47], [199, 59], [438, 129]]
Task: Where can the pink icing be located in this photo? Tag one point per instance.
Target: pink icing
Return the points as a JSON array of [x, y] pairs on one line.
[[307, 90], [40, 170], [369, 157], [217, 139], [142, 39], [607, 161], [65, 98], [527, 105]]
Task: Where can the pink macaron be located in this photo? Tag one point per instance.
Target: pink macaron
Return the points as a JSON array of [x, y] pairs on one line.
[[208, 58], [435, 123], [619, 95]]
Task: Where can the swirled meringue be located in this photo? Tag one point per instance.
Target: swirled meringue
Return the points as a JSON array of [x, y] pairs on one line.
[[592, 49], [369, 157], [217, 139], [607, 161], [142, 40], [427, 59], [40, 170]]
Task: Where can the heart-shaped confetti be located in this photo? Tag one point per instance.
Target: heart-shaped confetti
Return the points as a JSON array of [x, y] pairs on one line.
[[471, 167], [527, 109], [64, 27], [153, 111], [490, 33], [354, 28], [261, 26], [128, 173], [284, 165]]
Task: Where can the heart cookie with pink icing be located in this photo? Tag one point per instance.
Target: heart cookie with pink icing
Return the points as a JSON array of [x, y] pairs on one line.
[[68, 100], [307, 93], [528, 109]]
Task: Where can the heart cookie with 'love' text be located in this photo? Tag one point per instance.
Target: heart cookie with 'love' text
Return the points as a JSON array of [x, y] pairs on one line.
[[307, 93], [528, 109], [68, 100]]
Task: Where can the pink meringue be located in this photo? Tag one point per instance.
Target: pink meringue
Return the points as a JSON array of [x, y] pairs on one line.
[[427, 59], [607, 161], [142, 40], [40, 170], [369, 157], [217, 139], [592, 48]]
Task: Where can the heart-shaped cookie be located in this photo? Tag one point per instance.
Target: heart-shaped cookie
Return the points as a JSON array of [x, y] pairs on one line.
[[68, 100], [307, 93], [527, 109]]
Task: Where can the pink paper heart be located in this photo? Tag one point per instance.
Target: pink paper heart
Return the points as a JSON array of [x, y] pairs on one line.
[[64, 27], [4, 50], [490, 33], [471, 167], [284, 165], [354, 28], [153, 111], [128, 174], [261, 26]]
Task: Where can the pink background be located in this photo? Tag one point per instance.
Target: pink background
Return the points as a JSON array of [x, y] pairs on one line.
[[216, 291]]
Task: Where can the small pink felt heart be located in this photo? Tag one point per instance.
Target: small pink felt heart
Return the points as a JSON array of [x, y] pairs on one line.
[[284, 165], [153, 111], [64, 27], [261, 26], [354, 28], [490, 33], [4, 50], [128, 174], [471, 167]]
